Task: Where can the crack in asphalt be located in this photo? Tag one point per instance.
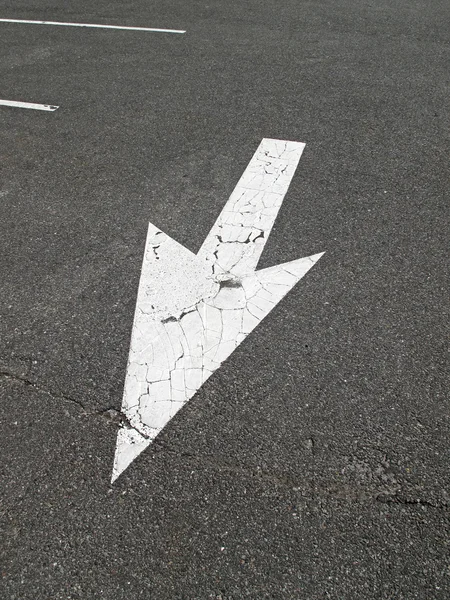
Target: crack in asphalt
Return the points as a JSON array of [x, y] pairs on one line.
[[110, 413], [405, 501], [28, 382], [344, 493]]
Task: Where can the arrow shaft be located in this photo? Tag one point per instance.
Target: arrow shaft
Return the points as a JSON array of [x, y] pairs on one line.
[[237, 239]]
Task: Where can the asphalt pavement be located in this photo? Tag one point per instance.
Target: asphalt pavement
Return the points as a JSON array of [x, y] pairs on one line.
[[314, 463]]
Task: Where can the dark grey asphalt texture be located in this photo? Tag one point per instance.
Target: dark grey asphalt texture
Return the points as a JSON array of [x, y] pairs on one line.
[[314, 464]]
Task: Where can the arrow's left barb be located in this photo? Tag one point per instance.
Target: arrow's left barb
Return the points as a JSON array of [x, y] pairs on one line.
[[13, 104]]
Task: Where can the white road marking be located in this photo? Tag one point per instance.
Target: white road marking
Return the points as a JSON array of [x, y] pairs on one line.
[[192, 311], [48, 107], [93, 25]]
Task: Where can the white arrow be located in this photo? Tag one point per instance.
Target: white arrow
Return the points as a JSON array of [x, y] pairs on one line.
[[192, 311]]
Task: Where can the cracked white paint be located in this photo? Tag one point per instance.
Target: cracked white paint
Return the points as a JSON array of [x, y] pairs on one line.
[[192, 311]]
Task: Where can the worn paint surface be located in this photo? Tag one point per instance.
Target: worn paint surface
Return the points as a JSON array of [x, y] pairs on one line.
[[192, 310]]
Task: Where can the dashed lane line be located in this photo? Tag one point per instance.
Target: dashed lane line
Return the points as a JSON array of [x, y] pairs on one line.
[[47, 107], [93, 25]]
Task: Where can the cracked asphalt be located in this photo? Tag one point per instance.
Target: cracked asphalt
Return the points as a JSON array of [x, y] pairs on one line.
[[314, 463]]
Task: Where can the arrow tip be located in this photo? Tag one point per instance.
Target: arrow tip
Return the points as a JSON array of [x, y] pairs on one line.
[[130, 443]]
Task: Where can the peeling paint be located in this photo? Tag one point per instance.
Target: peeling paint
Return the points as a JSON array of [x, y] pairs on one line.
[[192, 311]]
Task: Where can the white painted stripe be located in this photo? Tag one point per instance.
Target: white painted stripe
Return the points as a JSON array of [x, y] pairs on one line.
[[193, 311], [238, 237], [93, 25], [47, 107]]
